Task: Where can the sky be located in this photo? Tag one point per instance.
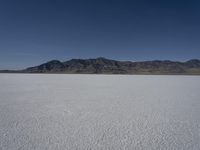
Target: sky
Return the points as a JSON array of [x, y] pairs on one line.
[[35, 31]]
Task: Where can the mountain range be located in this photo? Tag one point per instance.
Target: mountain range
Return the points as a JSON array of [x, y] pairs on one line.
[[107, 66]]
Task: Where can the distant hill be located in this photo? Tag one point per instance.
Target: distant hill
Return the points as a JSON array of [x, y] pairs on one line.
[[106, 66]]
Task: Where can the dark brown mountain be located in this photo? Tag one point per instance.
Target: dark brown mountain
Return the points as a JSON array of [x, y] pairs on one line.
[[107, 66]]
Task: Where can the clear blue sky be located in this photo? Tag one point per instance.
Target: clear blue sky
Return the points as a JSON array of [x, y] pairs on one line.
[[36, 31]]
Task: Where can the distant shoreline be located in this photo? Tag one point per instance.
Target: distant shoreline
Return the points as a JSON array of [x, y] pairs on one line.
[[98, 74]]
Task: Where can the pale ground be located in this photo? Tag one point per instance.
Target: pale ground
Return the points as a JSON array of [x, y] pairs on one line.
[[111, 112]]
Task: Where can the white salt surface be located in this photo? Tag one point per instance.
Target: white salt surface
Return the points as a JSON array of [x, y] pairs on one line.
[[111, 112]]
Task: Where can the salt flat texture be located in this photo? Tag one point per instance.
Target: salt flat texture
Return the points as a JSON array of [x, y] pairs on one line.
[[111, 112]]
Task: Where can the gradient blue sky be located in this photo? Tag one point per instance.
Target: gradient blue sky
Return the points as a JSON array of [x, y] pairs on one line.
[[36, 31]]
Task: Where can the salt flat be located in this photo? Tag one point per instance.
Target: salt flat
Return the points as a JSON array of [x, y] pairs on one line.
[[69, 112]]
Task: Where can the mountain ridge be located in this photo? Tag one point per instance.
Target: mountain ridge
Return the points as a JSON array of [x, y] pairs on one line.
[[103, 65]]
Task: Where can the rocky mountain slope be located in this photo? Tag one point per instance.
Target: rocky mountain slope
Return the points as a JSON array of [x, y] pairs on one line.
[[106, 66]]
